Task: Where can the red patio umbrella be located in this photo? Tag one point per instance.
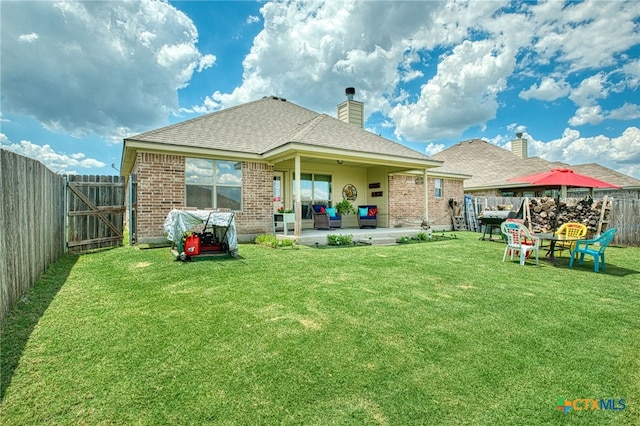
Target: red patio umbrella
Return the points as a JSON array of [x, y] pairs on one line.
[[562, 178]]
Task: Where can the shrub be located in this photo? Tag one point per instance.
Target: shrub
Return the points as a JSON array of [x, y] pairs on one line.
[[340, 240], [266, 240], [270, 240], [286, 243]]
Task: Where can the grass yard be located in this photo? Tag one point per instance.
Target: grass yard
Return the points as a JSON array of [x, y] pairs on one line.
[[432, 333]]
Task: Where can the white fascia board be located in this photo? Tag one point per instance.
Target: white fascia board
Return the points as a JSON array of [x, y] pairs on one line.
[[131, 147], [293, 149]]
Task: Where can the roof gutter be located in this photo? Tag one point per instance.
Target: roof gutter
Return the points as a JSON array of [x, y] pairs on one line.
[[287, 151]]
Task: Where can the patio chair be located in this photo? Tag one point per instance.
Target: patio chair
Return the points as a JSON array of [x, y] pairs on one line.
[[594, 247], [325, 217], [368, 216], [570, 230], [519, 239]]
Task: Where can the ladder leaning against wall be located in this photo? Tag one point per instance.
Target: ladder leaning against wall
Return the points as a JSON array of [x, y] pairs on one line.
[[606, 207]]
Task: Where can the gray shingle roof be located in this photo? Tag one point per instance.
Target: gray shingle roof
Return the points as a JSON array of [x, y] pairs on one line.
[[329, 132], [491, 166], [261, 126], [248, 128], [603, 173]]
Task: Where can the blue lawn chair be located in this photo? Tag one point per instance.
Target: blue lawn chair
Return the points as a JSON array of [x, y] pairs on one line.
[[594, 247]]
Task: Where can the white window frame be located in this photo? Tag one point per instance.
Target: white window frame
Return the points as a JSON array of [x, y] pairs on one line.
[[437, 188], [213, 180]]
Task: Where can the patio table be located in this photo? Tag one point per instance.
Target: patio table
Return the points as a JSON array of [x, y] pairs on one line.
[[553, 239]]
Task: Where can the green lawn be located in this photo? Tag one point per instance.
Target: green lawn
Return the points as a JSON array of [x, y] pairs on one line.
[[431, 333]]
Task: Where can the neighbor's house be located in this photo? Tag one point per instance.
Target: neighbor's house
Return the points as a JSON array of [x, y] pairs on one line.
[[491, 167], [256, 157]]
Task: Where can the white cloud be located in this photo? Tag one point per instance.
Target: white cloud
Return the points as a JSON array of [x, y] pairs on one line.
[[253, 19], [171, 54], [626, 112], [595, 115], [206, 61], [564, 32], [548, 90], [479, 47], [618, 153], [589, 90], [29, 38], [55, 161], [463, 93], [587, 115], [434, 148], [109, 65], [631, 72], [310, 51]]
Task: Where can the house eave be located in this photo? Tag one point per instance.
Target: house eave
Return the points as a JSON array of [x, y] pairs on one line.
[[283, 153], [132, 146], [290, 150], [449, 175]]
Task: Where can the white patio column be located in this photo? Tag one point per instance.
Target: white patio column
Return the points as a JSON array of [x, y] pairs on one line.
[[426, 195], [297, 205]]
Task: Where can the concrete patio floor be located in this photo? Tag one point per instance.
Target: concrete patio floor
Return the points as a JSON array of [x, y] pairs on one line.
[[374, 236]]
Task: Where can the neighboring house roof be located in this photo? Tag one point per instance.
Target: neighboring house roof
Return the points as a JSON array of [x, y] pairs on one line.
[[272, 129], [606, 174], [491, 166]]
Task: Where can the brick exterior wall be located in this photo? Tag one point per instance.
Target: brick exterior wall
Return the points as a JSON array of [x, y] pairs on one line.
[[161, 188], [257, 201], [439, 209], [406, 201]]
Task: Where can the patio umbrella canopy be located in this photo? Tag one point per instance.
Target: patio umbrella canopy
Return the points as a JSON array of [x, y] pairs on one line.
[[562, 178]]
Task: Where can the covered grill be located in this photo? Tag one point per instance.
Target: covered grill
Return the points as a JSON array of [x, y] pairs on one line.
[[492, 219]]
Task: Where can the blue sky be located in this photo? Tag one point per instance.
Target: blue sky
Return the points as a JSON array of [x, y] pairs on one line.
[[78, 77]]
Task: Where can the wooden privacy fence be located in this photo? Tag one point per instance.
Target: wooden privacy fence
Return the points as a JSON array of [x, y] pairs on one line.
[[95, 212], [34, 203], [31, 224], [624, 215]]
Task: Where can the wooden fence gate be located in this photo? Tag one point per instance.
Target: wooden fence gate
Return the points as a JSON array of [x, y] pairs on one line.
[[95, 212]]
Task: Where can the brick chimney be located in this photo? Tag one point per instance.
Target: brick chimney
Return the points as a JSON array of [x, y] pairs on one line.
[[351, 111], [519, 146]]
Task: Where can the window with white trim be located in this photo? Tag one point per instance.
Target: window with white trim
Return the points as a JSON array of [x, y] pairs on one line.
[[213, 184], [437, 183]]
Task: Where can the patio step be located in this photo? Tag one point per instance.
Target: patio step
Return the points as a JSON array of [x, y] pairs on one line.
[[379, 241]]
